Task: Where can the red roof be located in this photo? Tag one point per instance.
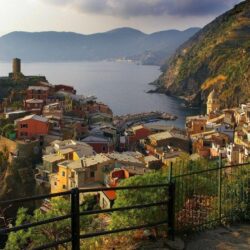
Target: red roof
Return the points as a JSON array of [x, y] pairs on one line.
[[111, 194]]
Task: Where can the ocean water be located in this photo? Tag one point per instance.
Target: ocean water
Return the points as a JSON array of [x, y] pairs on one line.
[[121, 85]]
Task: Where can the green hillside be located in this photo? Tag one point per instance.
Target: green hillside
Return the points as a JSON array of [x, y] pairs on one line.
[[218, 56]]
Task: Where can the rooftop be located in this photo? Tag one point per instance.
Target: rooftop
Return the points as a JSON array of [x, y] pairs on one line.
[[38, 88], [52, 158], [167, 135], [150, 158], [96, 139], [33, 117], [16, 112], [110, 194], [81, 148], [34, 101], [124, 157], [85, 162]]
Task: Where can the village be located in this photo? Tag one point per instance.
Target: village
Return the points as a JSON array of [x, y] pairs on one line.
[[74, 141]]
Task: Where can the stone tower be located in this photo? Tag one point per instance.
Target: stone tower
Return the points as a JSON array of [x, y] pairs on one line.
[[16, 70], [213, 103], [16, 66]]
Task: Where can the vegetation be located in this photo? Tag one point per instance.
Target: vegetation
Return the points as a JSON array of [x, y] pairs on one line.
[[7, 129], [134, 197], [219, 53], [44, 234]]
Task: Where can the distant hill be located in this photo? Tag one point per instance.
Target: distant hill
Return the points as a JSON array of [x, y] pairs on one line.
[[217, 57], [68, 46]]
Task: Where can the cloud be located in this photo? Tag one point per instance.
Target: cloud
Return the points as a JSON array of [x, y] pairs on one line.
[[133, 8]]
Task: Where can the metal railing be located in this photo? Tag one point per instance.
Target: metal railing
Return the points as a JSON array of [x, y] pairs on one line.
[[194, 200], [75, 214], [211, 197]]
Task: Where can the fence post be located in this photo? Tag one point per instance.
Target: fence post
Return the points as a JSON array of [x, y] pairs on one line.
[[75, 219], [171, 204], [219, 186]]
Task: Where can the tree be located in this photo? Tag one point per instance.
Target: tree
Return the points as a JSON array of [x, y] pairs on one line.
[[8, 128], [44, 234], [141, 196]]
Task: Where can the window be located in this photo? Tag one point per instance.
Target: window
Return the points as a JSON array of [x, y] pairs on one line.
[[23, 125], [92, 174], [103, 148], [64, 186], [63, 173], [55, 183]]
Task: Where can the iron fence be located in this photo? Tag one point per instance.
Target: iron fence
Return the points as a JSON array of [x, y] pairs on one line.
[[207, 198], [75, 214], [194, 200]]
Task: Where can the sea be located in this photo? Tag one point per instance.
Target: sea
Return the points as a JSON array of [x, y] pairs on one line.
[[121, 85]]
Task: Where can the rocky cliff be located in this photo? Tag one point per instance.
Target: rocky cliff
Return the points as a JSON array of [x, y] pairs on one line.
[[217, 57]]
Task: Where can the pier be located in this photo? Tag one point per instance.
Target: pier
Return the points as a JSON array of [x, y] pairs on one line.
[[130, 119]]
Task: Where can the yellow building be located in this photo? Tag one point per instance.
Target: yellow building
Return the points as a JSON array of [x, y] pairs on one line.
[[213, 103], [81, 173], [70, 149]]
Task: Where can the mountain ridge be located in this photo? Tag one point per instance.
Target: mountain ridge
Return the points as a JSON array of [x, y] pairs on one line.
[[70, 46]]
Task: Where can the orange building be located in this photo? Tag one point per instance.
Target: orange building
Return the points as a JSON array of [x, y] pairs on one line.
[[196, 124], [32, 127], [38, 92]]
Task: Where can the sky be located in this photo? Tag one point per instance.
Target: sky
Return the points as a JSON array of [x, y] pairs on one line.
[[91, 16]]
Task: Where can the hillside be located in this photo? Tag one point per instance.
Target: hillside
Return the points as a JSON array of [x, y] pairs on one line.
[[68, 46], [218, 57]]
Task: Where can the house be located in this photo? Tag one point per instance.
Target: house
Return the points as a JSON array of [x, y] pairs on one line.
[[70, 149], [223, 128], [32, 127], [229, 117], [48, 167], [107, 198], [74, 127], [127, 159], [196, 124], [35, 106], [55, 125], [242, 114], [152, 162], [171, 156], [235, 154], [219, 142], [100, 144], [14, 115], [135, 134], [81, 173], [37, 92], [172, 139], [53, 109]]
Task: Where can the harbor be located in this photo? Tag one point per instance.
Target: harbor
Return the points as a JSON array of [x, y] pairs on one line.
[[128, 120]]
